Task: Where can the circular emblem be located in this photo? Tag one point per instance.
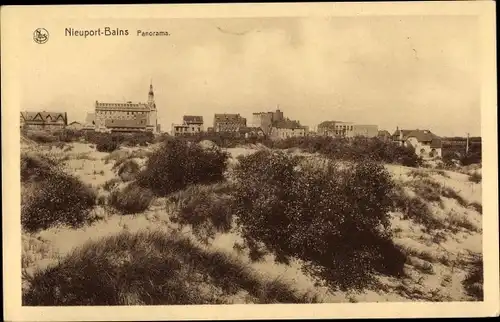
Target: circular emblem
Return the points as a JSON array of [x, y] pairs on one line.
[[41, 35]]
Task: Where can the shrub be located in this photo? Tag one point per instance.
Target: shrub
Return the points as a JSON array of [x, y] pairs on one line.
[[111, 184], [207, 209], [107, 146], [41, 137], [131, 199], [178, 164], [475, 177], [57, 198], [477, 207], [151, 268], [68, 135], [473, 157], [474, 281], [334, 218], [128, 170]]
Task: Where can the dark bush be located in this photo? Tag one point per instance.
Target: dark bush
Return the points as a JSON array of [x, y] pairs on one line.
[[177, 164], [475, 177], [107, 146], [53, 198], [151, 268], [335, 218], [128, 170], [477, 207], [473, 157], [131, 200], [41, 137], [69, 135]]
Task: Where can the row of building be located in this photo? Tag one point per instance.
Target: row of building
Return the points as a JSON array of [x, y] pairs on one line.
[[142, 117], [106, 117]]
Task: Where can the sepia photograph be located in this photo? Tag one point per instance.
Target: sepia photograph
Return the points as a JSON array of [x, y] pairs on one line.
[[312, 157]]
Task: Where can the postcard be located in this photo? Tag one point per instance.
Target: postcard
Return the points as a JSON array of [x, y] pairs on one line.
[[248, 161]]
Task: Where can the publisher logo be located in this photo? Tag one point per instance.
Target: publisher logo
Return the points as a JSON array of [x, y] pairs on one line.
[[41, 35]]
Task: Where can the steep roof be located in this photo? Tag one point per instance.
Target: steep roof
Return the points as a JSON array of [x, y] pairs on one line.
[[421, 135], [228, 117], [192, 119], [383, 133], [424, 136], [405, 133], [44, 117]]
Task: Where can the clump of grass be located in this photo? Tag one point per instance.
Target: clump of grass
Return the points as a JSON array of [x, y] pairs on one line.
[[422, 266], [441, 172], [131, 199], [111, 184], [474, 281], [427, 189], [416, 209], [128, 170], [418, 173], [475, 177], [455, 220], [207, 209], [151, 268], [451, 193], [477, 207]]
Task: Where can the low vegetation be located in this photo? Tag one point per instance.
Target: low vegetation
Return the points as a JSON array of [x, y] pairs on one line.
[[474, 281], [339, 210], [51, 197], [475, 177], [329, 213], [128, 170], [131, 199], [178, 164], [151, 268], [206, 208]]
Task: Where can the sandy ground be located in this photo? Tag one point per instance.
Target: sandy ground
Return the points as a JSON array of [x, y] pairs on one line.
[[442, 283]]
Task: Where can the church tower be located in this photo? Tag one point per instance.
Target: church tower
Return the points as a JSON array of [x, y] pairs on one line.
[[153, 118]]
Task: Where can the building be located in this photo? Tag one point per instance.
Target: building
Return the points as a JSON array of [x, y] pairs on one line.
[[228, 122], [251, 132], [49, 121], [136, 124], [75, 126], [425, 143], [384, 135], [136, 115], [335, 128], [287, 129], [346, 129], [191, 125], [265, 120], [365, 130]]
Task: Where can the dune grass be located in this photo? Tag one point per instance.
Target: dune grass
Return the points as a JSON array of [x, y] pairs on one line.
[[151, 268]]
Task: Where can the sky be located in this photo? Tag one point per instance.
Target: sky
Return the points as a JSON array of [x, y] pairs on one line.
[[414, 72]]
